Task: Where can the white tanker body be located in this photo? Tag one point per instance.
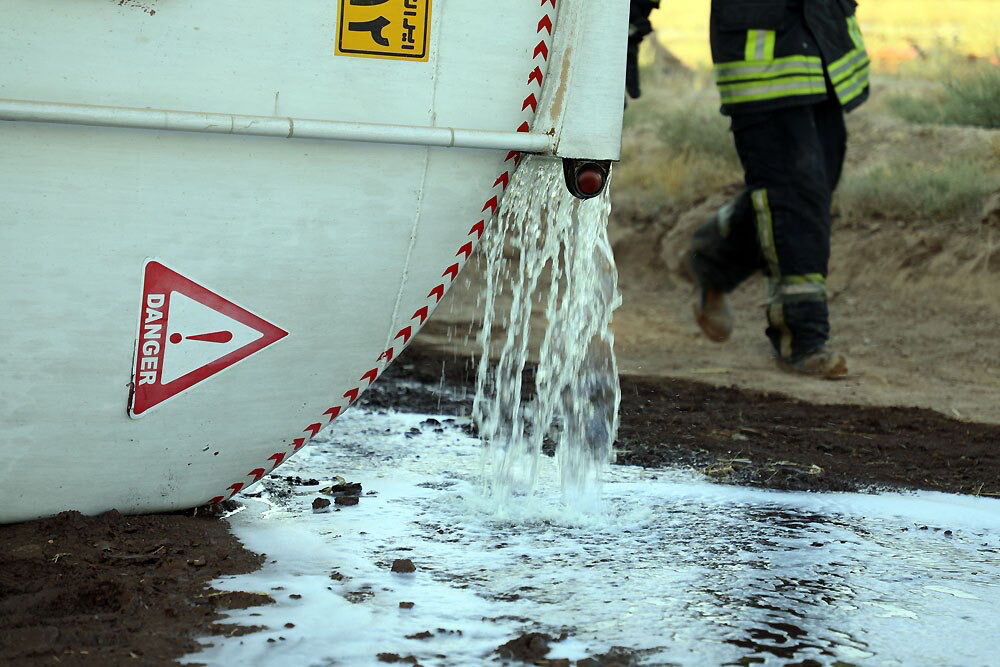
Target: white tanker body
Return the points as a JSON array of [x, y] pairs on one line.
[[220, 221]]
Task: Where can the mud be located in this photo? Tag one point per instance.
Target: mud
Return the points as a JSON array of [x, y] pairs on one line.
[[532, 648], [739, 436], [403, 566], [114, 590]]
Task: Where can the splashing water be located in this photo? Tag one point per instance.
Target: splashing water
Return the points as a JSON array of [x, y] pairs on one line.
[[550, 251]]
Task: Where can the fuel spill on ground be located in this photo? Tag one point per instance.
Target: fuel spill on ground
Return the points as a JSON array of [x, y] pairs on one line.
[[677, 569]]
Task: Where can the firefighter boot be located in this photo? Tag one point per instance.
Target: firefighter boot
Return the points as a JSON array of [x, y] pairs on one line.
[[713, 316], [711, 310], [823, 363]]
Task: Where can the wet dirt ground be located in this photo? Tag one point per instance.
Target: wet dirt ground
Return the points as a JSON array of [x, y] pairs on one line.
[[128, 590], [115, 590]]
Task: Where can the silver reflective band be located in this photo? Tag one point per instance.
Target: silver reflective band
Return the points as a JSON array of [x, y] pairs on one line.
[[802, 288], [849, 92], [723, 218], [760, 45], [750, 92], [843, 67], [769, 70]]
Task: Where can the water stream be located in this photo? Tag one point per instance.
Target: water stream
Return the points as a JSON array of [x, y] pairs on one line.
[[551, 253]]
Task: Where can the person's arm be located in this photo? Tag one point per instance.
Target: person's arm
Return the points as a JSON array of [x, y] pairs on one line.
[[638, 27]]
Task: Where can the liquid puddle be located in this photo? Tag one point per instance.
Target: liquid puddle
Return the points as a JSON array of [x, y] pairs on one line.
[[678, 570], [551, 253]]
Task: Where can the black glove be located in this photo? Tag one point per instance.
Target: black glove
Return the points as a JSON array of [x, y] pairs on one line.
[[638, 27]]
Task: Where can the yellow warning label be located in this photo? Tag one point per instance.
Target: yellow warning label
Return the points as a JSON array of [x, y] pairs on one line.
[[394, 29]]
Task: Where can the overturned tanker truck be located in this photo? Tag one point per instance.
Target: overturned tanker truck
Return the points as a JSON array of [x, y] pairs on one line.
[[222, 220]]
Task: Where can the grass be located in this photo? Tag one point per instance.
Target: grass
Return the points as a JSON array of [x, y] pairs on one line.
[[970, 97], [677, 147], [952, 189], [678, 151], [696, 128]]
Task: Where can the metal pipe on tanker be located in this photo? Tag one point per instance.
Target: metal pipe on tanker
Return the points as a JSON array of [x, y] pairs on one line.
[[270, 126]]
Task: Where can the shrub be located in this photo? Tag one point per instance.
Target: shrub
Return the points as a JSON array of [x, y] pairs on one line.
[[953, 189], [697, 128], [970, 97]]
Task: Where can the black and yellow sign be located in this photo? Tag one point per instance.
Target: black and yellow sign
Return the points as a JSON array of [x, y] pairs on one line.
[[394, 29]]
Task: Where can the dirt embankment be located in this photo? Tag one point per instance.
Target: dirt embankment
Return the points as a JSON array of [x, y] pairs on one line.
[[113, 590]]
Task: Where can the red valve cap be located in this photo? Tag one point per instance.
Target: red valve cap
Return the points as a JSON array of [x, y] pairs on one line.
[[590, 180]]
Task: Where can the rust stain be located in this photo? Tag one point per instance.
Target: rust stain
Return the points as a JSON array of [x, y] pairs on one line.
[[560, 95]]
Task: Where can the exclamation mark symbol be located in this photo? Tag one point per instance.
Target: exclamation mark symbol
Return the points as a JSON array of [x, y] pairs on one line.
[[214, 337]]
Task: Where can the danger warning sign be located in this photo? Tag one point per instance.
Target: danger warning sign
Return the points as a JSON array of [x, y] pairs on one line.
[[188, 333]]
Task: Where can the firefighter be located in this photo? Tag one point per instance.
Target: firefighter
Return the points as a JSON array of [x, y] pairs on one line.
[[787, 71]]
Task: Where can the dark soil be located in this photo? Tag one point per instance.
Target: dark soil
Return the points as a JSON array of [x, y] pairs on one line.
[[113, 590], [403, 566], [532, 647], [745, 437]]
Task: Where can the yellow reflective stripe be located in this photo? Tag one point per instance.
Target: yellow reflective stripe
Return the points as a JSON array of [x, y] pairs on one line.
[[770, 38], [765, 237], [849, 63], [756, 91], [750, 49], [855, 30], [765, 232], [760, 45], [850, 88], [809, 278], [746, 71], [805, 60]]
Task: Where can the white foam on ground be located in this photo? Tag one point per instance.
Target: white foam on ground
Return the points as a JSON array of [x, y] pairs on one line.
[[690, 572]]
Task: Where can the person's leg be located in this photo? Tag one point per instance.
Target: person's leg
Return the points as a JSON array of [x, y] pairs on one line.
[[724, 251], [786, 175]]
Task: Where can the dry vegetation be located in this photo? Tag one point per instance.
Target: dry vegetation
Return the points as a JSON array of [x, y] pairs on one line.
[[962, 93], [904, 163]]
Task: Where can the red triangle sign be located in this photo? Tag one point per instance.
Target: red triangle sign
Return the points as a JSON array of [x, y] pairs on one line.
[[188, 333]]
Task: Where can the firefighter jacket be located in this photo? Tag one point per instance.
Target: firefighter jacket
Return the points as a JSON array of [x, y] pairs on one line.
[[777, 53]]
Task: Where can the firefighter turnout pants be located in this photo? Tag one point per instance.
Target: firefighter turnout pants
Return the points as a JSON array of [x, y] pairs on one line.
[[792, 159]]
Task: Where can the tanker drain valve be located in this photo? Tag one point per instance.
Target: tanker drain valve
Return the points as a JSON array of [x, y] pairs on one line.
[[586, 178]]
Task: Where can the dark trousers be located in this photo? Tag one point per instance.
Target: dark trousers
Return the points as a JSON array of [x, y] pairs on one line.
[[792, 159]]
